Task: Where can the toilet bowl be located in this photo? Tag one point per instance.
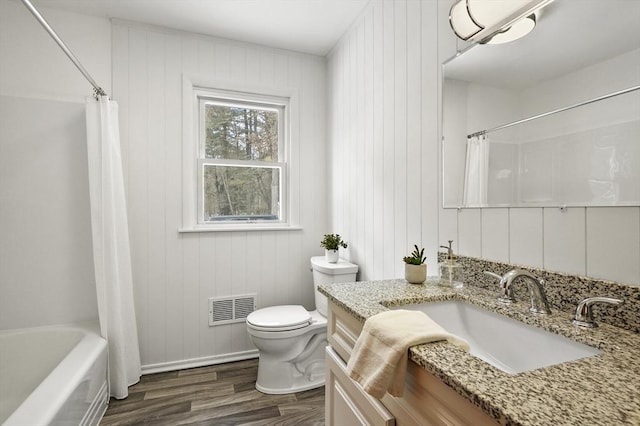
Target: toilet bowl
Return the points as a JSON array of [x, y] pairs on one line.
[[291, 340]]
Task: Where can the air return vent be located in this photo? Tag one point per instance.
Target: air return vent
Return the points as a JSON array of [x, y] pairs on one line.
[[226, 310]]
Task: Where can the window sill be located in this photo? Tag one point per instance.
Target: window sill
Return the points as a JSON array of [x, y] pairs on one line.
[[239, 228]]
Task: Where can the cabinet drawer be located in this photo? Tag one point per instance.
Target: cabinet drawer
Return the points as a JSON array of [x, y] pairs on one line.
[[346, 403], [342, 331]]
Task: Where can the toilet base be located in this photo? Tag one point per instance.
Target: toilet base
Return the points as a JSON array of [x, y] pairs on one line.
[[276, 376], [307, 385]]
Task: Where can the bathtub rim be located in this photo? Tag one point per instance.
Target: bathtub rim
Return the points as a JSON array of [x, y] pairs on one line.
[[71, 369]]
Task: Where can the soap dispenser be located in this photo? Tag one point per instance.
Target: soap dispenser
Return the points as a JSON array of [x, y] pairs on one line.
[[450, 270]]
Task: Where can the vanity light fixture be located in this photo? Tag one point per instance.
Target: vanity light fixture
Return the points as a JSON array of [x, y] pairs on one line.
[[462, 22], [518, 30], [494, 21]]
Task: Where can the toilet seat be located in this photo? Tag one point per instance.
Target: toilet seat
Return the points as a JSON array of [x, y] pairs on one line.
[[279, 318]]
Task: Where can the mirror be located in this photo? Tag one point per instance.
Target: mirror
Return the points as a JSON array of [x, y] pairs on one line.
[[551, 119]]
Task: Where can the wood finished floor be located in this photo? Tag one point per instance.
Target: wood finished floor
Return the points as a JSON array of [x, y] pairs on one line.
[[221, 394]]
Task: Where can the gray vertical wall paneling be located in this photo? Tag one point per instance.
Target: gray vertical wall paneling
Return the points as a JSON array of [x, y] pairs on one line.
[[175, 273]]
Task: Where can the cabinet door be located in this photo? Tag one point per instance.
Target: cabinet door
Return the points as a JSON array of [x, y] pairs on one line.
[[346, 403]]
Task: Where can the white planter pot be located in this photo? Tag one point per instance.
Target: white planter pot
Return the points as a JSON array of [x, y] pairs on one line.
[[415, 274], [331, 256]]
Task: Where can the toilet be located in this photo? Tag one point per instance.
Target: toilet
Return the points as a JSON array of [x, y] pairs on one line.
[[291, 340]]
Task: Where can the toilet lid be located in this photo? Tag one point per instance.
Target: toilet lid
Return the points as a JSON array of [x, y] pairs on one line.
[[280, 318]]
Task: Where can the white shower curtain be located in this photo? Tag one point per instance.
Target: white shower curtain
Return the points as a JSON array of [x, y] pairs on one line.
[[476, 171], [111, 253]]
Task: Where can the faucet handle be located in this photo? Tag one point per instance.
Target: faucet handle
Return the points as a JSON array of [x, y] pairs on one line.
[[584, 311], [506, 292]]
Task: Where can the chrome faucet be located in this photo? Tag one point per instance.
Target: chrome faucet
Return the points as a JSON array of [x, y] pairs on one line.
[[584, 311], [539, 303]]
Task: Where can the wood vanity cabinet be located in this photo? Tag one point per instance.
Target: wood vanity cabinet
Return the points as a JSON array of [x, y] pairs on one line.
[[426, 400], [346, 403]]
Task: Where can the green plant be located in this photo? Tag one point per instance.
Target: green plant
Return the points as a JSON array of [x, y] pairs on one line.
[[332, 242], [416, 257]]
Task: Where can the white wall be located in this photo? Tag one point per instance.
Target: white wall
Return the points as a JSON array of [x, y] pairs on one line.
[[611, 75], [454, 149], [46, 266], [33, 65], [383, 140], [175, 273], [468, 108]]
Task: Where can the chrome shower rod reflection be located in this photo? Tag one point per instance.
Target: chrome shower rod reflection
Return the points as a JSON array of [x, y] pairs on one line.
[[97, 89], [535, 117]]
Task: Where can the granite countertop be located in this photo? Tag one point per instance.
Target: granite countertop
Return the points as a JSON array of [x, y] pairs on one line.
[[599, 390]]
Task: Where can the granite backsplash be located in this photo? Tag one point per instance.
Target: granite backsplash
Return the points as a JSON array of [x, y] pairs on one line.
[[564, 291]]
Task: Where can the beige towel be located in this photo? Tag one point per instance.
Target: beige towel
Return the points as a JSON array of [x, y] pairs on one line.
[[380, 356]]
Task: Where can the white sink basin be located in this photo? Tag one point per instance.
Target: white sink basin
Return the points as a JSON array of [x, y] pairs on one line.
[[510, 345]]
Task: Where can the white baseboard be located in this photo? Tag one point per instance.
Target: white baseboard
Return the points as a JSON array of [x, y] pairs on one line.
[[198, 362]]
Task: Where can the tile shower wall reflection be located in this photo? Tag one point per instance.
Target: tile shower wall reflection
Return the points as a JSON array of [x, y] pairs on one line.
[[586, 155], [543, 162], [597, 166]]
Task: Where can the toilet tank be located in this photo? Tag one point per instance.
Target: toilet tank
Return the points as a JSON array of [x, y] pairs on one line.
[[326, 273]]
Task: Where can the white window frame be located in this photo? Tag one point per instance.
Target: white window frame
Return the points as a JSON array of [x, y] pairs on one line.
[[194, 89]]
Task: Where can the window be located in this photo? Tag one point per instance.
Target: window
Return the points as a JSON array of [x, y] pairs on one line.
[[241, 168]]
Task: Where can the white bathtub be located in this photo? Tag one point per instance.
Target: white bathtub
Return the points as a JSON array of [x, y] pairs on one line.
[[54, 375]]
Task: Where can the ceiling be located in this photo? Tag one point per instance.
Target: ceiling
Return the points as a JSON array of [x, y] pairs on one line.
[[308, 26]]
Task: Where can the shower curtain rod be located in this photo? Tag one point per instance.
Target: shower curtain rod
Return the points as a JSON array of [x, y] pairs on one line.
[[96, 89], [524, 120]]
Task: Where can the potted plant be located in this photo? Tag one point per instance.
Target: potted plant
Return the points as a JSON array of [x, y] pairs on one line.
[[331, 244], [415, 270]]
